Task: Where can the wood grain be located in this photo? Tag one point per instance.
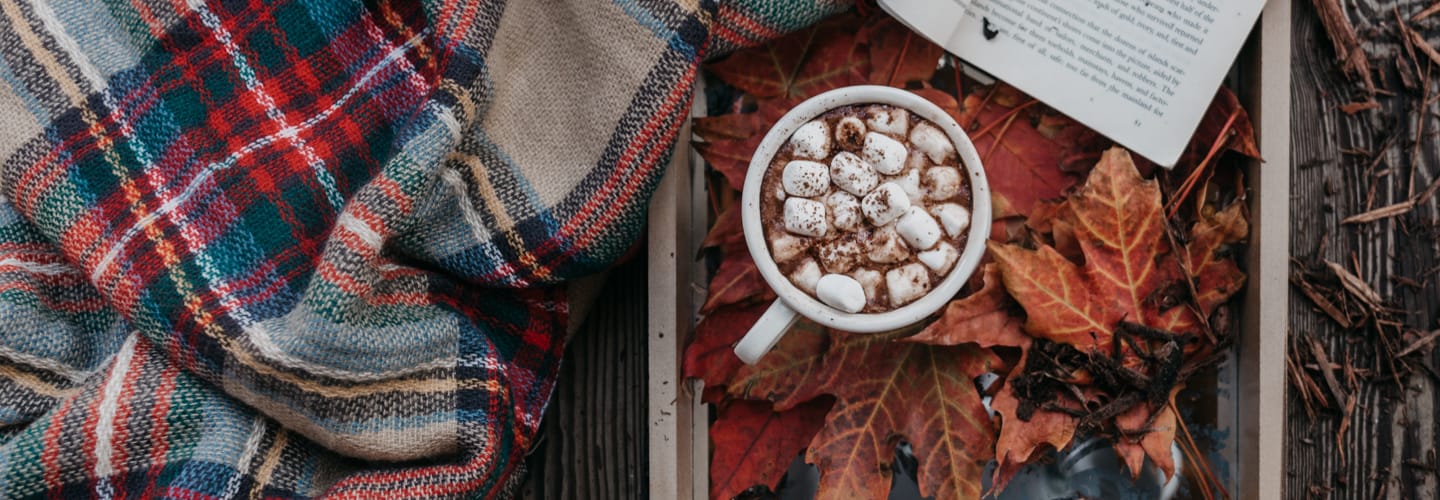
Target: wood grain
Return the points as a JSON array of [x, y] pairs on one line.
[[1389, 426], [594, 438]]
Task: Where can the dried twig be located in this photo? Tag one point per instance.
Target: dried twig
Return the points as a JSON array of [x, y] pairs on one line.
[[1328, 373], [1384, 212], [1323, 303], [1356, 107], [1422, 342], [1429, 11], [1347, 44]]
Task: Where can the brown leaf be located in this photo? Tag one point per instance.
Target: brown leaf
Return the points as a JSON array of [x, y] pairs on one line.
[[727, 232], [897, 54], [1217, 278], [710, 355], [736, 281], [754, 444], [942, 99], [884, 391], [1127, 275], [801, 64], [1120, 230], [1021, 440], [1156, 441], [1022, 164], [986, 317]]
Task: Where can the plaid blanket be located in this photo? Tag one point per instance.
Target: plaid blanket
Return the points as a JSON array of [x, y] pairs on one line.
[[301, 248]]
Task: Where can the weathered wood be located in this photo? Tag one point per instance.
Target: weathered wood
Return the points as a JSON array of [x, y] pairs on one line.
[[593, 436], [1392, 436]]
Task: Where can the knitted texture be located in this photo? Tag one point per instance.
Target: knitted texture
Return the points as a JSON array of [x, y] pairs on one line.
[[302, 248]]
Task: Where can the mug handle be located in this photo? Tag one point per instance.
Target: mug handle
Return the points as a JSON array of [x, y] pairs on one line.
[[766, 332]]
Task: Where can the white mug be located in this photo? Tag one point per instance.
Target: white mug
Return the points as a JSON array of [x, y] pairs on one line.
[[776, 320]]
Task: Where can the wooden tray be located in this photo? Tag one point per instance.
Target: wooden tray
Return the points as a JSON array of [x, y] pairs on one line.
[[677, 420]]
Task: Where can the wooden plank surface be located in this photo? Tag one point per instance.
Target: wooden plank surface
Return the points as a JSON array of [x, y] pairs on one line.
[[594, 439], [1265, 89], [1389, 448]]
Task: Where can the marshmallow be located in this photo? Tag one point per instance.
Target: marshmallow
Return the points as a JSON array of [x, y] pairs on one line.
[[918, 228], [869, 279], [907, 283], [811, 141], [780, 192], [885, 204], [849, 133], [955, 218], [884, 154], [943, 182], [784, 247], [932, 141], [886, 246], [844, 210], [852, 174], [806, 275], [917, 162], [841, 292], [940, 259], [839, 255], [888, 120], [805, 178], [910, 182], [805, 217]]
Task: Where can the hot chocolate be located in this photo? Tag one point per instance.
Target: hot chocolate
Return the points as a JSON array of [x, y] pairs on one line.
[[866, 207]]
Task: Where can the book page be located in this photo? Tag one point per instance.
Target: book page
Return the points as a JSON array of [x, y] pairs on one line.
[[1142, 72]]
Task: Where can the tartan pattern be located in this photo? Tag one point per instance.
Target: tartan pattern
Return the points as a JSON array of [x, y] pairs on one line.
[[300, 248]]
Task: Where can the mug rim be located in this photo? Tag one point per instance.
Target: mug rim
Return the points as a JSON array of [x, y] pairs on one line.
[[810, 306]]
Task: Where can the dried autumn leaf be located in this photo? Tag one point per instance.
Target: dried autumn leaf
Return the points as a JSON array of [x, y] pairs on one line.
[[897, 54], [1216, 278], [736, 281], [944, 100], [1120, 229], [1019, 443], [986, 317], [1225, 106], [726, 233], [884, 391], [753, 444], [1022, 164], [1117, 221], [1158, 435], [710, 355], [730, 140], [801, 64]]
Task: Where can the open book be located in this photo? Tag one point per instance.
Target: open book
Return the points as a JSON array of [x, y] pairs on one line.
[[1142, 72]]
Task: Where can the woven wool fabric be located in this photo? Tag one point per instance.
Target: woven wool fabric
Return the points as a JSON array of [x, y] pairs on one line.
[[302, 248]]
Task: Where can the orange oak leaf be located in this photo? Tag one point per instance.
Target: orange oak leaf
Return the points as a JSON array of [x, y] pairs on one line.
[[884, 391], [753, 444], [987, 317], [801, 64]]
